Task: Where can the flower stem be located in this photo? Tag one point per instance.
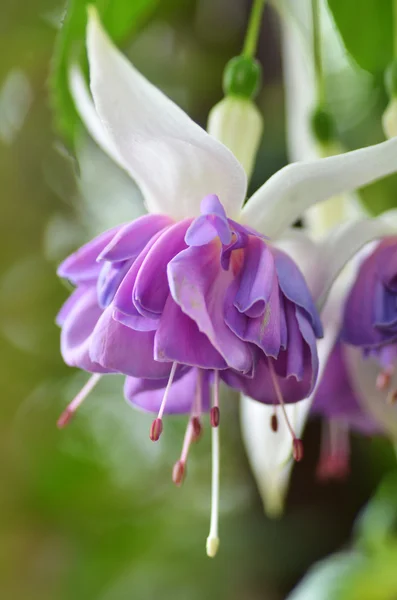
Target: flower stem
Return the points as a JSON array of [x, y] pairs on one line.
[[395, 29], [254, 25], [317, 57]]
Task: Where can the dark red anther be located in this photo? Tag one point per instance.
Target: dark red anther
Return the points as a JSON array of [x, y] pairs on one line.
[[65, 418], [156, 429], [274, 423], [178, 473], [214, 416], [197, 429], [297, 449]]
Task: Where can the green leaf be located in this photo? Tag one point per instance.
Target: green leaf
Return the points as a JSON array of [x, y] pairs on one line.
[[366, 28], [120, 18], [328, 579]]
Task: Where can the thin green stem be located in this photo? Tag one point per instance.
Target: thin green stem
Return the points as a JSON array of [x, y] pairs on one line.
[[395, 29], [318, 63], [254, 26]]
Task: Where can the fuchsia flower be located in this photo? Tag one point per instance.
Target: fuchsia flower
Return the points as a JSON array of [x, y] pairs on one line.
[[370, 316], [193, 292]]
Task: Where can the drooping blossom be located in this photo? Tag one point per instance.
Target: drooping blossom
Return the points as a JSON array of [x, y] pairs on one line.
[[193, 292], [370, 315]]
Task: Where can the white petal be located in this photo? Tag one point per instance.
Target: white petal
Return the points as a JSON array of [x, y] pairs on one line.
[[296, 187], [86, 109], [269, 452], [174, 161], [342, 244], [362, 375]]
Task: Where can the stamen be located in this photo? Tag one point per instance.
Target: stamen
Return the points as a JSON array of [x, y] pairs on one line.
[[197, 408], [214, 413], [335, 451], [213, 539], [297, 444], [157, 425], [274, 423], [392, 397], [70, 410], [178, 473], [384, 378]]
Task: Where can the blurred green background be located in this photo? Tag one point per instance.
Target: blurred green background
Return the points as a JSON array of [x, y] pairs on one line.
[[90, 512]]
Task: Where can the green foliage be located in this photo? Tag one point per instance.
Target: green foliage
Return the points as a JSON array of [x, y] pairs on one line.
[[366, 28], [120, 18]]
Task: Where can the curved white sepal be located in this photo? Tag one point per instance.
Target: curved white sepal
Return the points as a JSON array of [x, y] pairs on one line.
[[296, 187], [269, 452], [173, 160], [362, 375], [341, 245], [86, 109]]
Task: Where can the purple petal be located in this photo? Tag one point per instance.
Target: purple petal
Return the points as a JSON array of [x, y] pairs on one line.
[[123, 300], [133, 237], [363, 303], [81, 266], [151, 286], [211, 224], [179, 339], [263, 331], [294, 287], [136, 322], [77, 328], [199, 285], [117, 347], [257, 281], [70, 303], [147, 394], [335, 398], [109, 280]]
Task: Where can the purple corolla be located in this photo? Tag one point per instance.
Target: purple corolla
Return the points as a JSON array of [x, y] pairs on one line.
[[370, 315]]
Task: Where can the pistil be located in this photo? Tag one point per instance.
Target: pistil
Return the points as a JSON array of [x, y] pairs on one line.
[[213, 539]]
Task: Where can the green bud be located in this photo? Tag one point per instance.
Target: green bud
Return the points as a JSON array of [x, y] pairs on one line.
[[391, 79], [322, 126], [242, 77]]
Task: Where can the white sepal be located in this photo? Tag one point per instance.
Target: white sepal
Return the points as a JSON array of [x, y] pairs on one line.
[[173, 160]]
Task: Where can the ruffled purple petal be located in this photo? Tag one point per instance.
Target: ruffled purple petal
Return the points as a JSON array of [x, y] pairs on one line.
[[81, 266], [211, 224], [335, 398], [123, 299], [257, 281], [130, 240], [77, 327], [147, 394], [109, 280], [294, 288], [151, 289], [136, 322], [179, 339], [199, 284], [263, 331], [117, 347]]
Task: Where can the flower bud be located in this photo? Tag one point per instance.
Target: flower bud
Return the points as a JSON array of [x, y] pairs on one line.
[[242, 77], [238, 124], [389, 119]]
